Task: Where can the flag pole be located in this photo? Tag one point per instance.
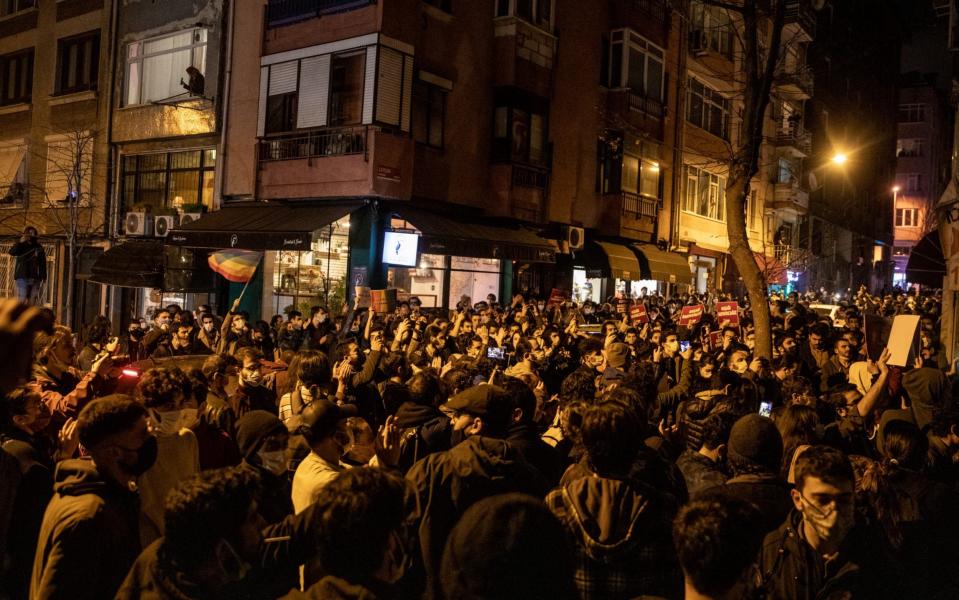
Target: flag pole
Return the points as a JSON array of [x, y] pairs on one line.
[[247, 284]]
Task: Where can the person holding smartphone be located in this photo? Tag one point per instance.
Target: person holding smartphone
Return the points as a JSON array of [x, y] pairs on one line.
[[99, 339]]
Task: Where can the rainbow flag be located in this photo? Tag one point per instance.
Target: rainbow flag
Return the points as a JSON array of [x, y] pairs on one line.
[[237, 266]]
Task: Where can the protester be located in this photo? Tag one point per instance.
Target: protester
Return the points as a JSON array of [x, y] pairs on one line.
[[30, 267]]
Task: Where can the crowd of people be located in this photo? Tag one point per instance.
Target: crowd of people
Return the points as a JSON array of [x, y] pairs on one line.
[[527, 449]]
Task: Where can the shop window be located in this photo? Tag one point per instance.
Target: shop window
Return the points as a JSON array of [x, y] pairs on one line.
[[78, 63], [474, 278], [16, 77], [317, 277], [156, 68], [180, 180], [425, 281]]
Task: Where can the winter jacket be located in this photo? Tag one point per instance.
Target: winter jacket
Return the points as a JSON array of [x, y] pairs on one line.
[[926, 389], [447, 483], [31, 260], [525, 438], [621, 537], [769, 493], [178, 458], [833, 374], [89, 537], [699, 471], [67, 394], [423, 430], [791, 570]]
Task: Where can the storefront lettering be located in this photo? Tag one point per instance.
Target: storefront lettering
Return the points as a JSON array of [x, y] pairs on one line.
[[293, 242]]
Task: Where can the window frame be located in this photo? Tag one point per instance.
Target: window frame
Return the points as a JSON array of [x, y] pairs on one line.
[[911, 112], [421, 88], [346, 54], [27, 56], [719, 36], [169, 170], [141, 56], [901, 217], [914, 151], [627, 40], [86, 167], [913, 183], [716, 186], [12, 7], [536, 17], [709, 98], [91, 37], [504, 149]]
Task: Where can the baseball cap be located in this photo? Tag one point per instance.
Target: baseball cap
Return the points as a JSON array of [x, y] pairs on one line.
[[486, 401], [320, 419]]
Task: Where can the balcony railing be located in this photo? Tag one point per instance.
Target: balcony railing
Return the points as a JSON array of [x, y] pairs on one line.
[[796, 138], [800, 78], [656, 9], [530, 177], [645, 104], [637, 206], [284, 12], [801, 13], [337, 141]]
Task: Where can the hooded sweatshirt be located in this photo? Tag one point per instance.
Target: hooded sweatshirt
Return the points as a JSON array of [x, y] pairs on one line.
[[621, 536], [89, 537], [926, 388]]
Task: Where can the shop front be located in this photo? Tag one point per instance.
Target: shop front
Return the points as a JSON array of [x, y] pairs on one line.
[[605, 269], [665, 272]]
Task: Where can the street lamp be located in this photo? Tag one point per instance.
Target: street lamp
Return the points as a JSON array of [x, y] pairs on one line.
[[839, 159]]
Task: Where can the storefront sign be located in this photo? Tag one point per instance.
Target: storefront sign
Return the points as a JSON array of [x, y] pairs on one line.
[[727, 313], [243, 240], [690, 315], [638, 315], [388, 173]]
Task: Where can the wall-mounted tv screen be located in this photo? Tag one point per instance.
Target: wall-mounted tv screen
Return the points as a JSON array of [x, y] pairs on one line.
[[399, 248]]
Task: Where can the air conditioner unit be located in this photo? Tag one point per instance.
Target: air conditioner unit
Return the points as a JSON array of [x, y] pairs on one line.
[[698, 41], [575, 237], [163, 225], [138, 223], [189, 218]]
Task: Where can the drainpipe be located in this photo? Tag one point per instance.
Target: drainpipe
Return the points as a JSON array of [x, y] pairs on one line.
[[223, 109], [679, 125], [112, 205]]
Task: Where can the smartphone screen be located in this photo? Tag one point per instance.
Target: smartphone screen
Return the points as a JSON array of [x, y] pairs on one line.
[[495, 353], [684, 346], [765, 409]]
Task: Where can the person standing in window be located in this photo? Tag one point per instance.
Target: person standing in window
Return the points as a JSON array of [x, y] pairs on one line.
[[30, 270]]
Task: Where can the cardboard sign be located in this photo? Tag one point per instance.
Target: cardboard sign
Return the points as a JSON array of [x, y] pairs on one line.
[[903, 340], [877, 331], [363, 295], [727, 314], [556, 297], [637, 314], [690, 315], [716, 340], [621, 306]]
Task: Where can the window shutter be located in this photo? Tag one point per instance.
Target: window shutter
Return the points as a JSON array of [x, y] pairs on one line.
[[407, 92], [314, 91], [283, 78], [389, 87], [370, 83]]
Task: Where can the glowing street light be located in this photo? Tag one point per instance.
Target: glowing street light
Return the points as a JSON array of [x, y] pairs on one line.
[[839, 159]]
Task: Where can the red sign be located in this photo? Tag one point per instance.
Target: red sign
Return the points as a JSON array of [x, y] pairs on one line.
[[716, 340], [557, 296], [388, 173], [638, 314], [727, 313], [691, 315]]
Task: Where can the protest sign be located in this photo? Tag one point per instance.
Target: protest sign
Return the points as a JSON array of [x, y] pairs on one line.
[[637, 314], [727, 314], [690, 315], [903, 339]]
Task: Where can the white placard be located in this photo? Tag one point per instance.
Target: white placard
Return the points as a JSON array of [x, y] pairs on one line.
[[902, 338]]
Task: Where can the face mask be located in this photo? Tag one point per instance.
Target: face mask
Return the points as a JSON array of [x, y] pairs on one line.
[[146, 457], [168, 423], [253, 379], [671, 346], [739, 367], [274, 462], [343, 439], [208, 327], [831, 527]]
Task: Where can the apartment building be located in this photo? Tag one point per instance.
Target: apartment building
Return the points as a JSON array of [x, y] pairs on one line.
[[54, 74]]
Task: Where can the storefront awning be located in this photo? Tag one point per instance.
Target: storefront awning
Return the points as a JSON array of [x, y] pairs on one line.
[[136, 263], [661, 265], [261, 225], [607, 259], [442, 234], [926, 265]]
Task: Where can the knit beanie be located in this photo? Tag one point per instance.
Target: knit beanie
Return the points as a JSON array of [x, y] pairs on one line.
[[755, 440], [252, 427], [616, 354]]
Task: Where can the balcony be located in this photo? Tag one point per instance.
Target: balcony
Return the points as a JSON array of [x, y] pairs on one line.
[[519, 191], [284, 12], [630, 215], [337, 141], [642, 112], [800, 22], [796, 82], [523, 56], [795, 142], [791, 257], [790, 196], [649, 18]]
